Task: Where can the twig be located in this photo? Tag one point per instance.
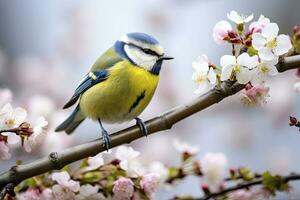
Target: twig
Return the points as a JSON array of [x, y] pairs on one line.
[[258, 181], [162, 122]]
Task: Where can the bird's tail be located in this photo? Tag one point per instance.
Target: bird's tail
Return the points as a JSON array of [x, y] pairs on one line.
[[71, 123]]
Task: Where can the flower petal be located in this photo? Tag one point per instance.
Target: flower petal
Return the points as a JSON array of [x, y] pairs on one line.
[[20, 115], [270, 31], [249, 18], [227, 60], [283, 45], [212, 76], [245, 60], [258, 41], [201, 64], [244, 76], [202, 88], [226, 72], [266, 54]]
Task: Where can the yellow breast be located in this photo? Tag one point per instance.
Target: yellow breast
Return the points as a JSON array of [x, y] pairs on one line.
[[122, 97]]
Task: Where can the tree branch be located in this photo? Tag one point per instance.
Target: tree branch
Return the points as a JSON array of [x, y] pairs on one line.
[[162, 122], [258, 181]]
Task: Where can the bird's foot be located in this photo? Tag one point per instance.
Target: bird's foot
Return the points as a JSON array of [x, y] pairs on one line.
[[141, 126], [106, 140]]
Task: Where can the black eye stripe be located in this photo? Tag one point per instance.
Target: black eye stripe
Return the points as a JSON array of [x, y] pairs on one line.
[[146, 51]]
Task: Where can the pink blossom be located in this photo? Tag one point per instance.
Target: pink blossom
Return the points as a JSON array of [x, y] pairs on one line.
[[123, 189], [253, 96], [36, 194], [149, 184], [4, 154], [256, 27], [221, 31]]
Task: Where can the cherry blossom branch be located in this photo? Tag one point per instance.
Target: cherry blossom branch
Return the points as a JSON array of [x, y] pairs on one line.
[[259, 181], [162, 122]]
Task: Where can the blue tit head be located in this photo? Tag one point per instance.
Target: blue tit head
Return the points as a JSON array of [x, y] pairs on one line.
[[141, 50]]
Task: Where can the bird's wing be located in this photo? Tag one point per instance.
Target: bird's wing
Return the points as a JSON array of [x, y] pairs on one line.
[[91, 79], [97, 74]]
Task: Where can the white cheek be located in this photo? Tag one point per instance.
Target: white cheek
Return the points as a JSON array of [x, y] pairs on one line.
[[140, 58]]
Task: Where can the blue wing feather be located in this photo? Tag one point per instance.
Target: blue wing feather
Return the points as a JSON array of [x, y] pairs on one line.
[[88, 81]]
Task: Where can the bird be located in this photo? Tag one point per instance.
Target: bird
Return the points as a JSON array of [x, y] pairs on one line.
[[119, 85]]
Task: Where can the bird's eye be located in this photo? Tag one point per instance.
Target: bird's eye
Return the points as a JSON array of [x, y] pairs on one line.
[[147, 51]]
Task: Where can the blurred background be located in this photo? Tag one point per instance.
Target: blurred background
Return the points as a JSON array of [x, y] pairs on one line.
[[47, 47]]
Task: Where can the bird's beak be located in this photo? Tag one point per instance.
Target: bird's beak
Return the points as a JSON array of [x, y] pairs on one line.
[[166, 58]]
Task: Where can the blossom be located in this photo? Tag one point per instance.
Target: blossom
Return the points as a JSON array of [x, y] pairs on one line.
[[254, 95], [257, 26], [5, 96], [221, 31], [149, 183], [128, 161], [38, 135], [63, 179], [62, 193], [239, 19], [159, 168], [269, 44], [213, 167], [4, 151], [36, 194], [123, 189], [241, 66], [89, 192], [95, 162], [263, 70], [297, 87], [184, 147], [204, 75], [11, 118]]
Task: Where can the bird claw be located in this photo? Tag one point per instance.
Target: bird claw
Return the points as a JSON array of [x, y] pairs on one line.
[[106, 140], [141, 126]]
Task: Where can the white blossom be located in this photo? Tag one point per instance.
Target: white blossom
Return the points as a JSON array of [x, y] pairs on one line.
[[89, 192], [241, 66], [238, 18], [184, 147], [263, 70], [128, 161], [213, 167], [204, 75], [269, 44], [95, 162], [11, 118], [221, 31], [38, 135], [159, 168], [63, 178], [62, 193]]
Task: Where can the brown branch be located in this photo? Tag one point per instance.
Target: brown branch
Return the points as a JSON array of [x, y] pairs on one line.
[[258, 181], [162, 122]]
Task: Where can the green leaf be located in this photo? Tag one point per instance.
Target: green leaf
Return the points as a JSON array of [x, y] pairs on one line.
[[274, 183]]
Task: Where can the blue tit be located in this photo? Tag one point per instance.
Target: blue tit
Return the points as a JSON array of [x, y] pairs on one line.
[[119, 85]]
